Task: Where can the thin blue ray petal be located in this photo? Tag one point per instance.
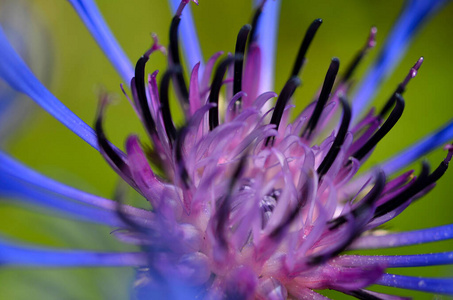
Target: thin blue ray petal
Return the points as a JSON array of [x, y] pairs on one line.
[[95, 23], [432, 285], [23, 193], [15, 254], [420, 148], [399, 261], [188, 33], [411, 19], [16, 73], [407, 238], [267, 40]]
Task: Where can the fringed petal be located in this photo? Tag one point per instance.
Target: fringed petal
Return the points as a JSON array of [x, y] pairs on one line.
[[432, 285], [21, 255]]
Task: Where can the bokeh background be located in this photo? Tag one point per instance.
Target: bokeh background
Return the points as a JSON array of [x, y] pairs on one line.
[[69, 62]]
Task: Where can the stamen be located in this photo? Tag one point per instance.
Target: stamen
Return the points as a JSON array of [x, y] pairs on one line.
[[323, 97], [215, 89], [371, 42], [282, 100], [365, 204], [385, 128], [423, 181], [401, 198], [182, 171], [308, 38], [176, 60], [182, 5], [339, 139], [164, 103], [402, 86], [238, 64]]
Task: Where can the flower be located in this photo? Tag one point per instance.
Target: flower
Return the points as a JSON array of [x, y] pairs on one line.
[[243, 203]]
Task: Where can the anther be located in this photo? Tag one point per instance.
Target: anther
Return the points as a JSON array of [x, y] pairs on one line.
[[164, 103], [370, 43], [323, 97], [238, 64], [308, 38], [282, 100], [175, 59], [385, 128], [215, 89], [402, 86], [339, 139]]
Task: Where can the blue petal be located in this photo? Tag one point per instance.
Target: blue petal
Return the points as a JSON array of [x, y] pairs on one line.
[[12, 188], [16, 73], [432, 285], [407, 238], [399, 261], [414, 13], [91, 16], [267, 30], [188, 34], [23, 255], [420, 148]]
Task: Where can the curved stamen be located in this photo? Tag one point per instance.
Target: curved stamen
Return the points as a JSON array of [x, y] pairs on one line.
[[164, 105], [366, 203], [176, 60], [215, 89], [282, 100], [255, 20], [308, 38], [422, 182], [238, 64], [385, 128], [323, 97], [181, 168], [371, 42], [339, 139], [402, 86]]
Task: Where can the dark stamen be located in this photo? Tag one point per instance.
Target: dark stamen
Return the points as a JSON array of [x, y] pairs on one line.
[[365, 204], [238, 64], [113, 156], [419, 184], [401, 87], [215, 90], [385, 128], [308, 38], [174, 56], [139, 82], [282, 100], [339, 139], [223, 211], [323, 97], [359, 57], [164, 105], [182, 171], [362, 295]]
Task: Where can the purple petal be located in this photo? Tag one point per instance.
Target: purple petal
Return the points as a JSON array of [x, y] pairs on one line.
[[16, 73], [91, 16], [16, 255], [413, 16], [433, 285]]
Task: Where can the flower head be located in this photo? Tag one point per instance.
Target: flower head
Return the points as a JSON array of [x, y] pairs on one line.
[[244, 201]]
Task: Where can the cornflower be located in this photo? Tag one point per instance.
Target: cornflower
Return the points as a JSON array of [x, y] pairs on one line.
[[243, 202]]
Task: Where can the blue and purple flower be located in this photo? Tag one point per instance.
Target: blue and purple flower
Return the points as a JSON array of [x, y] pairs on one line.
[[244, 201]]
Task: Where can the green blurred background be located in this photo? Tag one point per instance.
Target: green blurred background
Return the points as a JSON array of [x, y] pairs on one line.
[[78, 70]]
